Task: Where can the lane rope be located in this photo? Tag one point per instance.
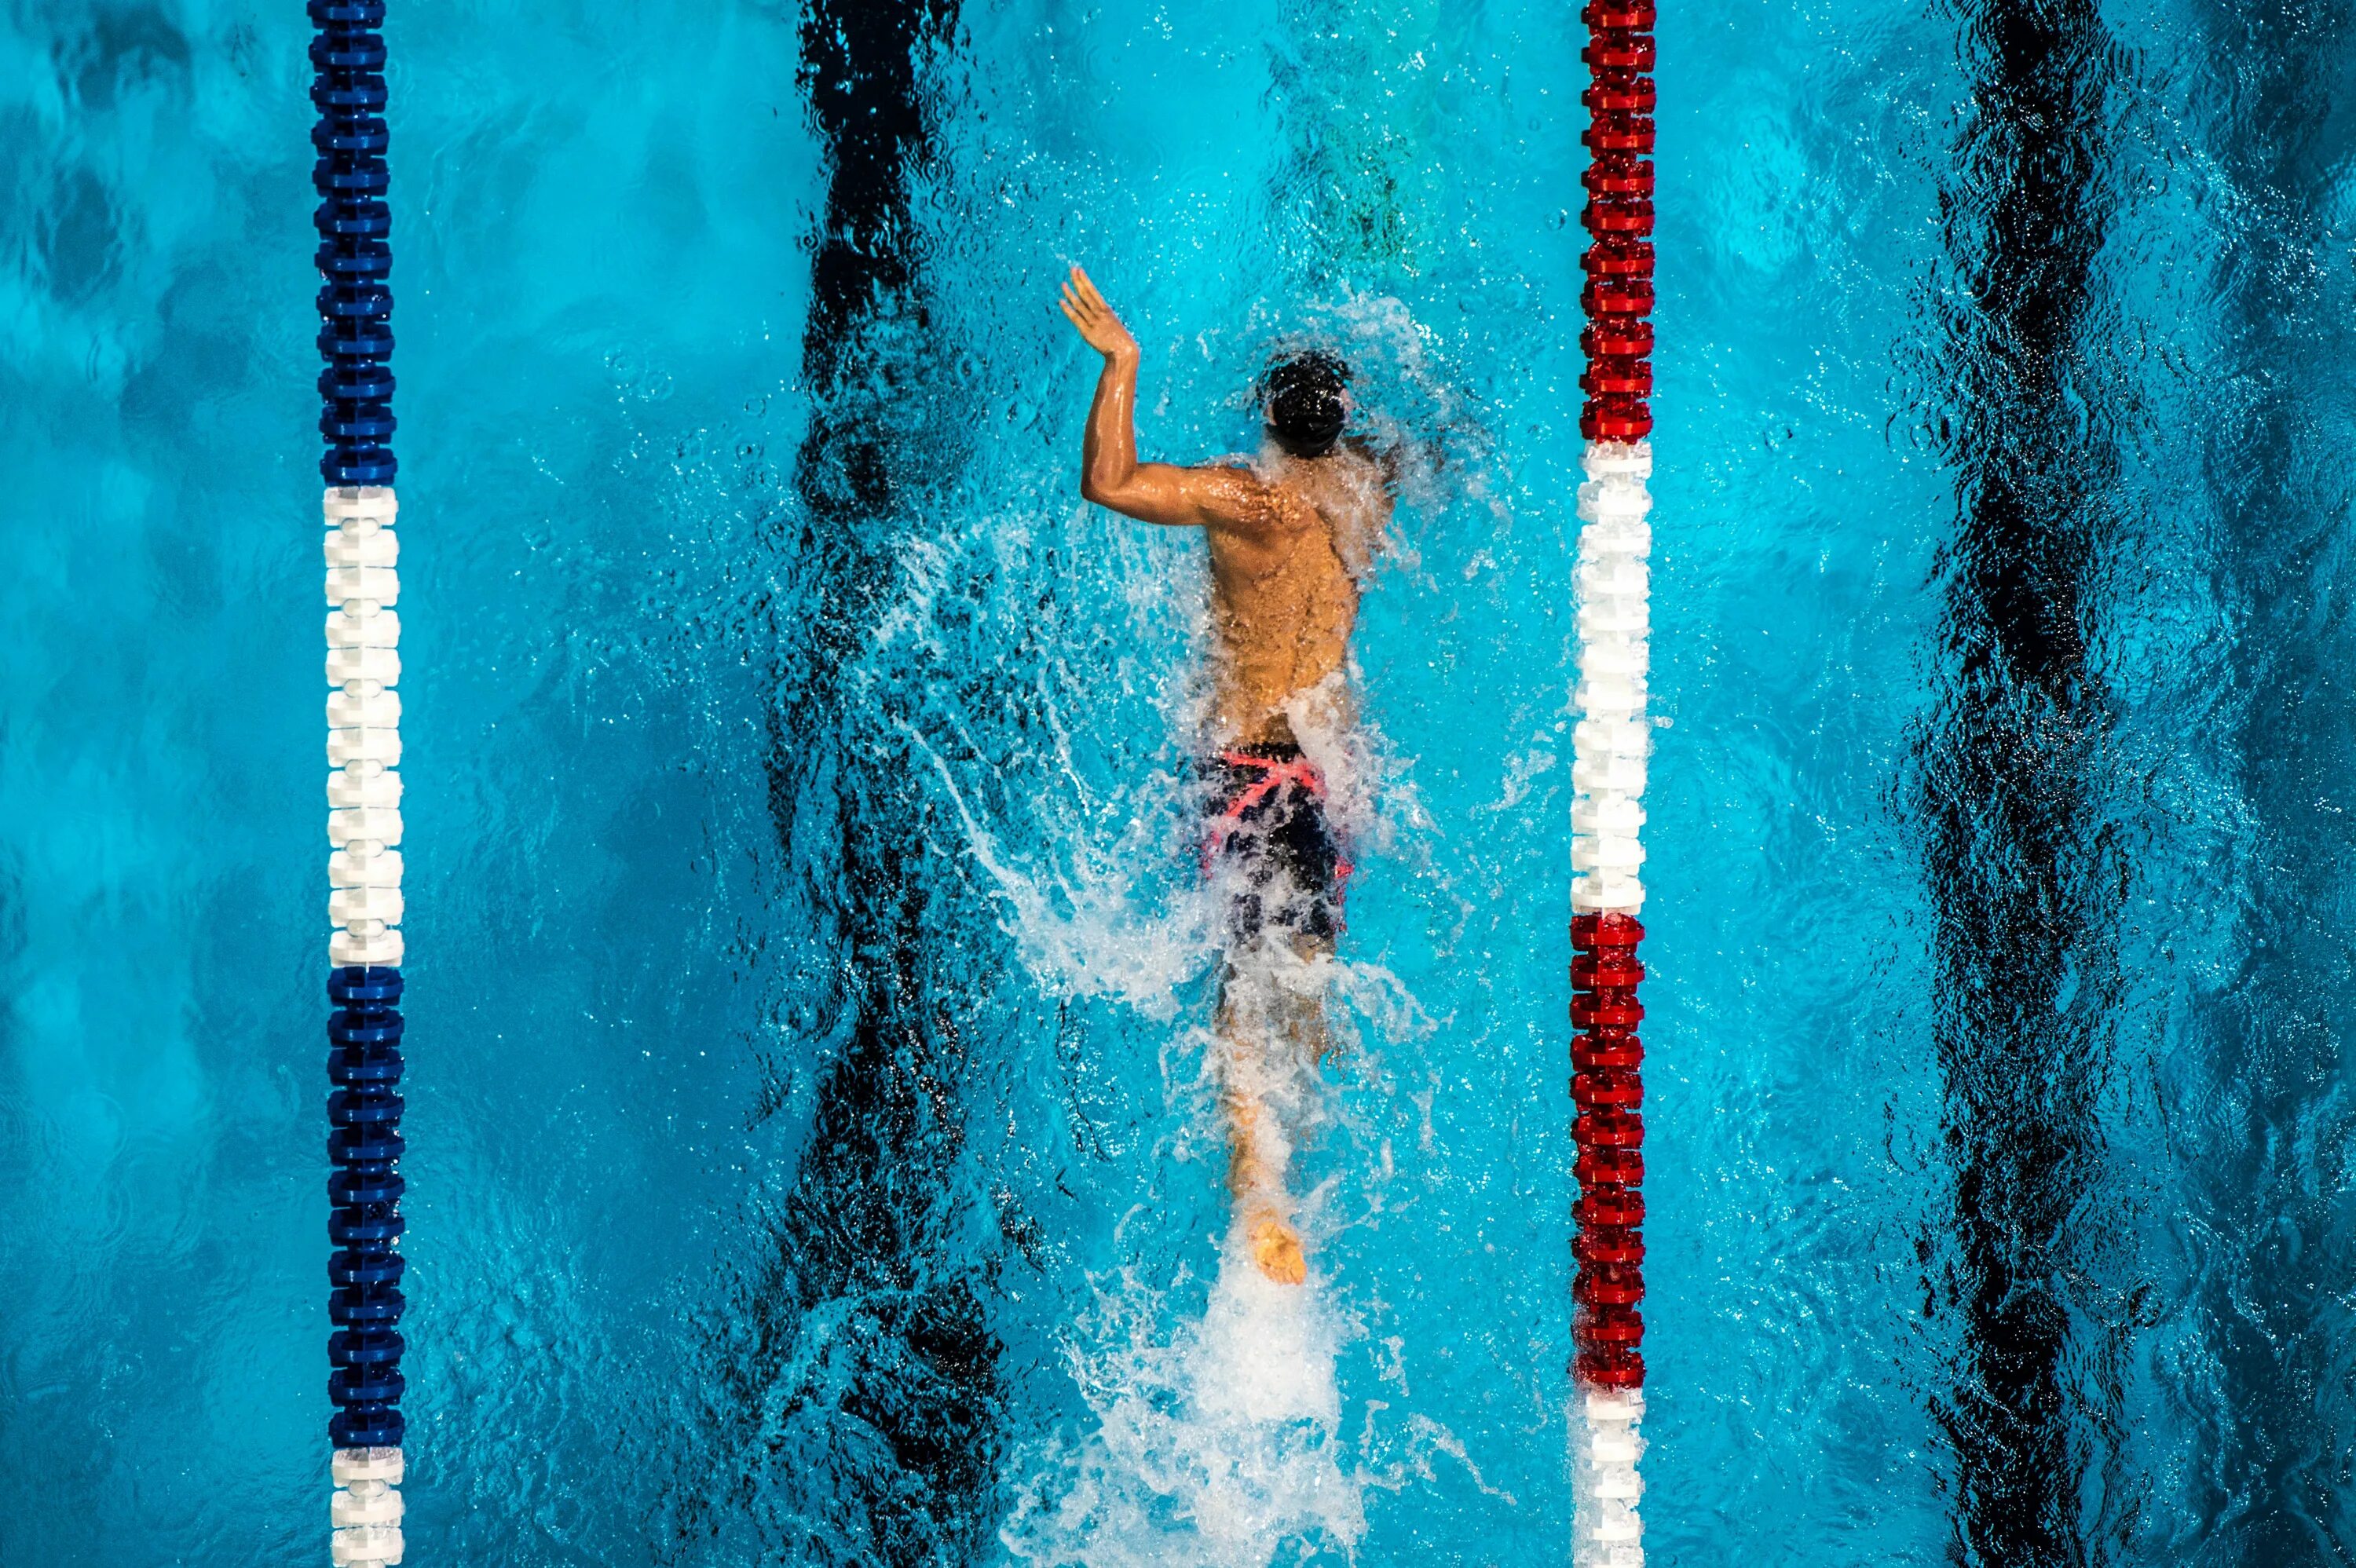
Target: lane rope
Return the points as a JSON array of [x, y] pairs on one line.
[[1608, 749], [364, 828]]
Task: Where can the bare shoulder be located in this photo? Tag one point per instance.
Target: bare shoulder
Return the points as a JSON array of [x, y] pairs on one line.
[[1234, 496], [1355, 483], [1367, 461], [1355, 495]]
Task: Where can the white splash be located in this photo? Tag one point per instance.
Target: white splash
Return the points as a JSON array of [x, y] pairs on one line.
[[1217, 1443]]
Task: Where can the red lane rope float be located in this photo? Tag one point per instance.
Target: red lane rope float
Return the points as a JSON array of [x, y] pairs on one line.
[[1608, 1087], [1618, 299]]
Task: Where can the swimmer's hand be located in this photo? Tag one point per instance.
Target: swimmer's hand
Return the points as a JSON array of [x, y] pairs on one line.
[[1086, 309]]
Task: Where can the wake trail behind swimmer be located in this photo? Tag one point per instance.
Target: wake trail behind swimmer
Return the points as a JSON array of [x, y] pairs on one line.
[[1292, 536]]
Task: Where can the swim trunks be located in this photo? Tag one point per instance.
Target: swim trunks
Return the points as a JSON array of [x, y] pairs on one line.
[[1269, 845]]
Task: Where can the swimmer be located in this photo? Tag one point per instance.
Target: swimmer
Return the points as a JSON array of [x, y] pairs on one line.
[[1292, 536]]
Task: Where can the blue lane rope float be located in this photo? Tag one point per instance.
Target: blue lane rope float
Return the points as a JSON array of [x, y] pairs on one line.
[[364, 829]]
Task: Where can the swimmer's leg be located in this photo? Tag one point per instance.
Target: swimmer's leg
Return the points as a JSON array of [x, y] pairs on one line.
[[1256, 1154], [1303, 1005]]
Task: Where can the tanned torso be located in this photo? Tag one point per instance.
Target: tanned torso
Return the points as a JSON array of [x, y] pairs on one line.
[[1284, 587]]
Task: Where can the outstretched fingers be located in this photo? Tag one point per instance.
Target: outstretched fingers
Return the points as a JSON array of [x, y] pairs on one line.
[[1086, 309], [1081, 300]]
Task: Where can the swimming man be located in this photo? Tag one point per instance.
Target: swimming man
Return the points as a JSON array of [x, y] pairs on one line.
[[1291, 536]]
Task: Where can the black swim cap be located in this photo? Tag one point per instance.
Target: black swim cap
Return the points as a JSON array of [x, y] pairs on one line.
[[1305, 411]]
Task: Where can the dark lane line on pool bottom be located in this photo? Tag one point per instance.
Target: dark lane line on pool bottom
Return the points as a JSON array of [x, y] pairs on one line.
[[2022, 875], [864, 1244]]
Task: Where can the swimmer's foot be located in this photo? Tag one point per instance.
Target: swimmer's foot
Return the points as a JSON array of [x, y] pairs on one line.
[[1275, 1246]]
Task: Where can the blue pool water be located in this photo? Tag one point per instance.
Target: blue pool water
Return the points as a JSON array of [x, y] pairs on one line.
[[811, 1155]]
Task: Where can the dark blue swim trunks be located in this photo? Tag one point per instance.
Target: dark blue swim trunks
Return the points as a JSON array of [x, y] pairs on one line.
[[1269, 832]]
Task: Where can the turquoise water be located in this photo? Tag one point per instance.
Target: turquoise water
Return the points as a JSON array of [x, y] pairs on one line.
[[719, 792]]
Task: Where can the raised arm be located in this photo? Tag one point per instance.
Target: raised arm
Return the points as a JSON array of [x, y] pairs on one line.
[[1110, 474]]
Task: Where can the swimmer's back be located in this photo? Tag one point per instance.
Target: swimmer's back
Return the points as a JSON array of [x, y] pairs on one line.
[[1285, 578]]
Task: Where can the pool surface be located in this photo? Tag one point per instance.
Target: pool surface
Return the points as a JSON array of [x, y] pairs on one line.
[[812, 1157]]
